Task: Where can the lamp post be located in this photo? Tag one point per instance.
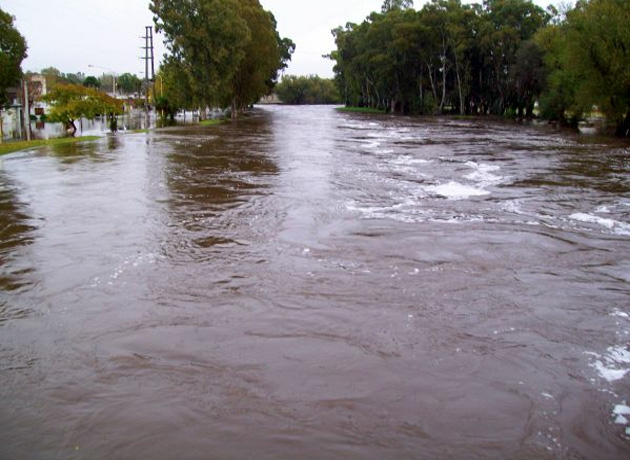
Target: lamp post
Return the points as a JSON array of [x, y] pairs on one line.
[[113, 76]]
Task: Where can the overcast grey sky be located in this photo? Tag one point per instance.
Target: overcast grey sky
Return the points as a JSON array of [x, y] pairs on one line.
[[72, 34]]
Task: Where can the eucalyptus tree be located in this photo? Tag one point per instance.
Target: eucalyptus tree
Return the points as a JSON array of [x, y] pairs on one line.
[[598, 52], [229, 49]]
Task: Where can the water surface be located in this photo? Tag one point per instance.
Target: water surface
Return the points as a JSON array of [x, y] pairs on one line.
[[313, 285]]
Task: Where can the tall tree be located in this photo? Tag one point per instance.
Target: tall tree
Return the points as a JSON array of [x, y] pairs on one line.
[[229, 49], [12, 53], [262, 58], [598, 51]]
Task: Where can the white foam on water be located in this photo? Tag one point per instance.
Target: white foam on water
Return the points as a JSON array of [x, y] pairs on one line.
[[483, 174], [409, 161], [621, 412], [456, 191], [617, 227], [512, 206], [614, 365]]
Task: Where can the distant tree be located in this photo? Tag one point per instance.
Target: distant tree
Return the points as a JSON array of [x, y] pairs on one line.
[[92, 82], [12, 53], [108, 82], [129, 84], [71, 102], [74, 78], [53, 76], [307, 90]]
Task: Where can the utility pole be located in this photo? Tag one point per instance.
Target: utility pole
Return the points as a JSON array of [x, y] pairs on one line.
[[149, 63]]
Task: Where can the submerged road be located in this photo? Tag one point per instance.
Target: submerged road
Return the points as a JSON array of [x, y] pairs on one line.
[[305, 284]]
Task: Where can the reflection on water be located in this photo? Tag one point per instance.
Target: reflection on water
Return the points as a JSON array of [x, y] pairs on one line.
[[130, 121], [310, 284], [16, 234]]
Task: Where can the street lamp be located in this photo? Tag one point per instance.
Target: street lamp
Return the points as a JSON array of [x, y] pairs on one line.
[[113, 76]]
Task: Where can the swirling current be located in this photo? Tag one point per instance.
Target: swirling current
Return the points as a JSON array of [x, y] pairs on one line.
[[310, 284]]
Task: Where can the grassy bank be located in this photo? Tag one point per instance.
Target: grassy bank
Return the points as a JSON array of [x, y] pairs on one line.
[[211, 122], [10, 147], [360, 110]]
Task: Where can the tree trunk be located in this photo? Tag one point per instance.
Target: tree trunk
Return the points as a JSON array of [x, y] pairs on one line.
[[432, 83], [421, 91], [234, 109], [443, 101], [1, 127], [462, 109], [71, 128]]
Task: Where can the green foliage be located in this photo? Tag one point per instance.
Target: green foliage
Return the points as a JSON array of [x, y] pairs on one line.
[[498, 57], [176, 88], [587, 56], [92, 82], [307, 90], [129, 84], [70, 102], [225, 52], [54, 77], [12, 53], [447, 57], [389, 5], [258, 70]]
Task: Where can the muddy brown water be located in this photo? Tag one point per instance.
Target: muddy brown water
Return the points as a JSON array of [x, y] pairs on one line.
[[306, 284]]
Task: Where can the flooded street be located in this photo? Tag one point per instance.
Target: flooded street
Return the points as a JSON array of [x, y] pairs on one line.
[[306, 284]]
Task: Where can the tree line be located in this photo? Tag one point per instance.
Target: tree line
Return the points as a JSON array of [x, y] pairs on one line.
[[313, 89], [499, 57]]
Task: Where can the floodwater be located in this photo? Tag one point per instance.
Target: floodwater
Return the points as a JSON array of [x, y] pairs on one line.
[[305, 284]]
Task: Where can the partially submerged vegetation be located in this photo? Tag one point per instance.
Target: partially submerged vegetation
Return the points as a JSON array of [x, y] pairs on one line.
[[211, 122], [10, 147], [500, 57], [71, 102]]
